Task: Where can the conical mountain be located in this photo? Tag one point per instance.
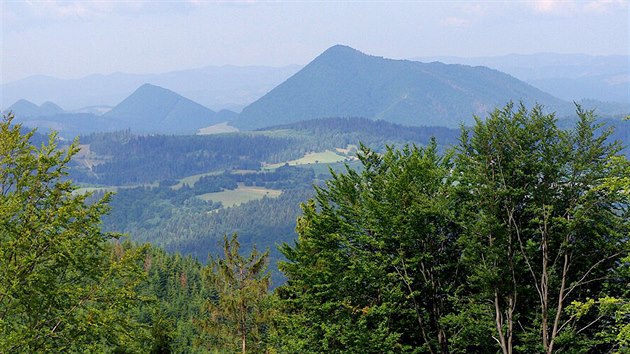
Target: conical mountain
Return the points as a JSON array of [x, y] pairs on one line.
[[153, 109], [343, 82], [49, 108]]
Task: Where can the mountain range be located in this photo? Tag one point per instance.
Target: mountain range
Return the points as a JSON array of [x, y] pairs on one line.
[[341, 82], [30, 109], [217, 87], [149, 109], [566, 76]]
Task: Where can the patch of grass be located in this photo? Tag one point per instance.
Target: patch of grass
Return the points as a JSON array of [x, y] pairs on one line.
[[313, 158], [240, 195], [191, 180], [217, 129]]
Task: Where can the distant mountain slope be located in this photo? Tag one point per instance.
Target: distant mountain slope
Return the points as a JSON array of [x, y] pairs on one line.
[[148, 110], [69, 125], [27, 109], [373, 133], [153, 109], [344, 82], [217, 87], [567, 76]]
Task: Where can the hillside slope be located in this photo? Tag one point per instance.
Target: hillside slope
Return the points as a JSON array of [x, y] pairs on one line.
[[158, 110], [343, 82], [567, 76], [217, 87]]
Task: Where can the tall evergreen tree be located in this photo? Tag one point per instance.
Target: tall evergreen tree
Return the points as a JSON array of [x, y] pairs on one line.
[[236, 315]]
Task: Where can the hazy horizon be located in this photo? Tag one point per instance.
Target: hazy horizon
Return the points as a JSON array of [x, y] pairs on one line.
[[305, 63], [71, 39]]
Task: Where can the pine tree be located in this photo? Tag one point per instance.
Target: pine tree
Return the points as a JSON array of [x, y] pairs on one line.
[[237, 314]]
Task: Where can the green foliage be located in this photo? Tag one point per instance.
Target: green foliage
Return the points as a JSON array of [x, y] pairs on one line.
[[235, 316], [135, 210], [499, 248], [62, 286], [547, 221], [131, 159], [174, 293], [376, 261]]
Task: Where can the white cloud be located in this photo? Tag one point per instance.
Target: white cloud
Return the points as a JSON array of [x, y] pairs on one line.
[[554, 6], [605, 5], [81, 9], [575, 6], [456, 22], [546, 6]]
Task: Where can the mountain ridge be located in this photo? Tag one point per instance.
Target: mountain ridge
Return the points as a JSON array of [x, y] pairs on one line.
[[28, 109], [149, 109], [344, 82], [567, 76], [217, 87]]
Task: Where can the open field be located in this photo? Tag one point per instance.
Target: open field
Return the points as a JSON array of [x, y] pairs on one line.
[[191, 180], [240, 195], [325, 157], [217, 129]]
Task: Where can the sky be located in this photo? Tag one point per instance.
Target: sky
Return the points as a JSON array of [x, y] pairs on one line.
[[73, 39]]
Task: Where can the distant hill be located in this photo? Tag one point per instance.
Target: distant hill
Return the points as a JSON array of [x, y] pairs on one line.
[[153, 109], [69, 125], [343, 82], [217, 87], [225, 115], [148, 110], [567, 76], [27, 109]]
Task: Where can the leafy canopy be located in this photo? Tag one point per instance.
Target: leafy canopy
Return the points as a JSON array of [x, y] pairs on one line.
[[62, 286]]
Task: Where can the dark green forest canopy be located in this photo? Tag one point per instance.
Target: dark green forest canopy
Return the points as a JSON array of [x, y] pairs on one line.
[[181, 222], [128, 159], [516, 241]]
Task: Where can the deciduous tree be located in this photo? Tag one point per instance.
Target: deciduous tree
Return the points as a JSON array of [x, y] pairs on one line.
[[63, 286], [545, 224], [375, 265]]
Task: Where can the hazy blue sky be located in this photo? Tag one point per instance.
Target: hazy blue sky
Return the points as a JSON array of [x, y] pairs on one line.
[[71, 39]]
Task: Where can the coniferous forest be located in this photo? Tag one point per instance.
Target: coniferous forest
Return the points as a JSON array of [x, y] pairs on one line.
[[510, 236]]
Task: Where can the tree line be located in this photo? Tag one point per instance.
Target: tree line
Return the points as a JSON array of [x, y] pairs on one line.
[[516, 241]]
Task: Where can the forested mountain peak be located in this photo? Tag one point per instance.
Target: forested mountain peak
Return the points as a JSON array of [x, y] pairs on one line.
[[343, 82], [338, 50], [50, 108], [156, 109]]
